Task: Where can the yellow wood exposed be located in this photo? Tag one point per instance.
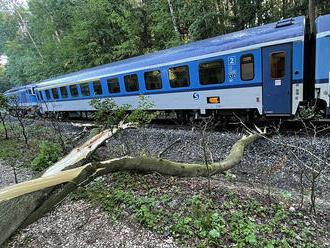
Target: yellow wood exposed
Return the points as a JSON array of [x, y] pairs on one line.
[[39, 183]]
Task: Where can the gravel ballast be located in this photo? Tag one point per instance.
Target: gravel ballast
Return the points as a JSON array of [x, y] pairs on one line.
[[8, 175]]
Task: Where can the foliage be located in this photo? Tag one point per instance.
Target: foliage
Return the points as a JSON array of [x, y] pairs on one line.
[[53, 37], [224, 219], [4, 84], [108, 114], [49, 153], [3, 102], [13, 151], [9, 149]]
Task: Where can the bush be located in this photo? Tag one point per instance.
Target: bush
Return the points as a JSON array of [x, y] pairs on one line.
[[49, 154]]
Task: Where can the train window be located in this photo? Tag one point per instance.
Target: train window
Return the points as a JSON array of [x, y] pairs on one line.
[[47, 94], [97, 87], [113, 85], [74, 90], [277, 63], [64, 92], [247, 67], [131, 83], [85, 89], [212, 72], [40, 95], [179, 76], [153, 80], [55, 93]]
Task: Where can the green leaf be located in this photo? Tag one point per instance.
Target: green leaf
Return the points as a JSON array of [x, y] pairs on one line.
[[251, 239], [214, 234]]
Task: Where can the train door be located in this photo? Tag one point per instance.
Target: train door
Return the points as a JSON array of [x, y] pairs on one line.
[[277, 79]]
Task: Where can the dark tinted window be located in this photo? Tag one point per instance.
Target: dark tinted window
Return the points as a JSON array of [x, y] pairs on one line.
[[40, 95], [47, 94], [97, 87], [113, 85], [55, 93], [64, 92], [131, 83], [212, 72], [277, 62], [74, 90], [247, 67], [153, 80], [85, 89], [179, 76]]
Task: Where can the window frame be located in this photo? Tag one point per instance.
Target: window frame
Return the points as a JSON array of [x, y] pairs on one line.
[[174, 67], [212, 61], [100, 86], [277, 52], [253, 61], [48, 96], [57, 95], [66, 90], [160, 80], [41, 97], [76, 86], [85, 85], [109, 83], [137, 79]]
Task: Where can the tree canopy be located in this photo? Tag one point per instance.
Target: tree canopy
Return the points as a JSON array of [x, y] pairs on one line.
[[48, 38]]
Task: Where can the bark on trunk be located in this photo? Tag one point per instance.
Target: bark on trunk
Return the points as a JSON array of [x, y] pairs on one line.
[[311, 12], [175, 26], [84, 151]]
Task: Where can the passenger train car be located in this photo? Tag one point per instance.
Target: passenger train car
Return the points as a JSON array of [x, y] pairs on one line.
[[266, 71], [23, 97]]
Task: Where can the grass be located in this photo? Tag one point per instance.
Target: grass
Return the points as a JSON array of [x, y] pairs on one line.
[[194, 218], [10, 149], [14, 150]]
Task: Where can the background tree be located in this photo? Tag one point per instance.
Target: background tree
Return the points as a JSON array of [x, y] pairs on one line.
[[3, 109], [52, 37], [4, 84]]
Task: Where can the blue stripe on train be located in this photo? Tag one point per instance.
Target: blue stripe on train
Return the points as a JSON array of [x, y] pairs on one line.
[[163, 92]]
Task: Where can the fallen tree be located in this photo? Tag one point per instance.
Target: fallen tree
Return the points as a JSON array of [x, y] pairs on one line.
[[21, 200], [24, 203]]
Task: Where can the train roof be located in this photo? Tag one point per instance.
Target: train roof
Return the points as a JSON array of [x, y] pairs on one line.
[[323, 26], [19, 88], [288, 30]]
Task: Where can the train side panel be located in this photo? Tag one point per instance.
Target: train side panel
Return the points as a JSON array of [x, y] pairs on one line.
[[297, 75], [322, 64], [233, 93]]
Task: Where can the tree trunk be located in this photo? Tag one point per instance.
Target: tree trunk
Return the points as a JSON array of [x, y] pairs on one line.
[[2, 117], [175, 26], [311, 13]]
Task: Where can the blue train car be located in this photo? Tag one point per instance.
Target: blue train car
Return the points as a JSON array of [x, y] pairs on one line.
[[322, 61], [257, 71], [22, 97]]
